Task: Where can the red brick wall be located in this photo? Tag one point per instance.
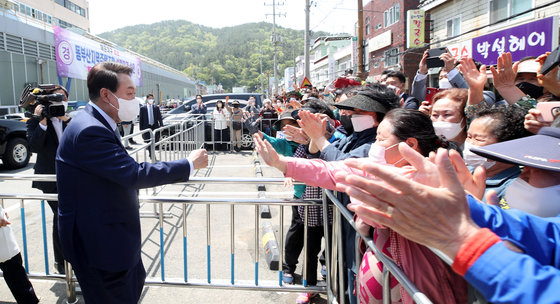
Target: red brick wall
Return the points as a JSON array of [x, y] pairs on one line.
[[408, 59]]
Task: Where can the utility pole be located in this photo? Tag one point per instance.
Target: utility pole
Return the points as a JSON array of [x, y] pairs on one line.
[[307, 39], [262, 86], [360, 29], [275, 39]]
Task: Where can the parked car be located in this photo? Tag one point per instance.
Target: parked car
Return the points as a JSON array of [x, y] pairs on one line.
[[183, 112], [15, 116], [14, 148]]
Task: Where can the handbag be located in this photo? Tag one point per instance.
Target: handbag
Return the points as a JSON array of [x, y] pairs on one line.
[[8, 245]]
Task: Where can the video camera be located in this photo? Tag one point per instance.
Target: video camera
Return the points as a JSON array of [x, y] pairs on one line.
[[44, 95]]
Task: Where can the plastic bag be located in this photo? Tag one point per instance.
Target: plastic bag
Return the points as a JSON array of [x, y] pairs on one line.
[[8, 245]]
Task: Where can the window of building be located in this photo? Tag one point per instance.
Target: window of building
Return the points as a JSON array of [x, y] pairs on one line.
[[391, 16], [367, 26], [453, 26], [61, 2], [392, 57], [503, 9]]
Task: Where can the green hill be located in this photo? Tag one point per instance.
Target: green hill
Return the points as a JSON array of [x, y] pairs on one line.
[[229, 56]]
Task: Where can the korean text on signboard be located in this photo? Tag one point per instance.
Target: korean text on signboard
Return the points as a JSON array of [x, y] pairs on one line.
[[530, 39], [76, 55], [416, 26]]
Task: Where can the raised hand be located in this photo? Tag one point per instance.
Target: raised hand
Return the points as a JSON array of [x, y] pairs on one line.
[[199, 158], [251, 122], [312, 125], [423, 66], [296, 135], [268, 154], [504, 78], [433, 216]]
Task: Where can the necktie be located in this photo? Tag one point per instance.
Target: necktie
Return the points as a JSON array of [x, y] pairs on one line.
[[150, 115]]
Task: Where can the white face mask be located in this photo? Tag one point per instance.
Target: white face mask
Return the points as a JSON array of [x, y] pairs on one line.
[[538, 201], [362, 122], [377, 154], [128, 109], [475, 160], [150, 101], [445, 84], [449, 130]]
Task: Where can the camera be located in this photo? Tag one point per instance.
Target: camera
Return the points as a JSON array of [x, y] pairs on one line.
[[43, 94]]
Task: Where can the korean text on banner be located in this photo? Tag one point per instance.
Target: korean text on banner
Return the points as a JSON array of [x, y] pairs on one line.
[[76, 55], [530, 39], [416, 27]]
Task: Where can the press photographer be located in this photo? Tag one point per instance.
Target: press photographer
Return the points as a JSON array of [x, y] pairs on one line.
[[48, 103]]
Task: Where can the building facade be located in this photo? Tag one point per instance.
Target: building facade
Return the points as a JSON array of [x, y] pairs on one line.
[[385, 29], [324, 65], [483, 29], [46, 13], [27, 56]]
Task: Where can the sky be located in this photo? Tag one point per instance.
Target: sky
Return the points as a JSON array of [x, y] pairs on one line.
[[333, 16]]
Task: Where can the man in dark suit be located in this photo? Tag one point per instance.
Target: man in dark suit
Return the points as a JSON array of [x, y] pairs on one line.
[[98, 182], [44, 134], [150, 118], [398, 80]]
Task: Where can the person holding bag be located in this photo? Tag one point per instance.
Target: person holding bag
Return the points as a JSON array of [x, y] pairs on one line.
[[11, 264]]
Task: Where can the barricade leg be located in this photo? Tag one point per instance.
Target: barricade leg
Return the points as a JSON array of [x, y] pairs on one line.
[[232, 214], [70, 284], [45, 242]]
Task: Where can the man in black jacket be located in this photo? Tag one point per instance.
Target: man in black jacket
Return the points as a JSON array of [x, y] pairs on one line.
[[43, 134], [398, 80]]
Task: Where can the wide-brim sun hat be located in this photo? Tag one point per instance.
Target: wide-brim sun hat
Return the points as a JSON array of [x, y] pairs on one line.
[[541, 151], [362, 102], [277, 126]]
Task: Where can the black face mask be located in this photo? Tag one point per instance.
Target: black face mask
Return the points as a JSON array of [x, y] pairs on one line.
[[347, 123], [530, 89]]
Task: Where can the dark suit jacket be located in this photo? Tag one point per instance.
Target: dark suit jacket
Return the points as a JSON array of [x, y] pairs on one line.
[[410, 102], [158, 120], [44, 144], [98, 182]]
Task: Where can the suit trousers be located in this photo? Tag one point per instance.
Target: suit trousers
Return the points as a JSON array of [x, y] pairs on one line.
[[17, 281], [105, 287]]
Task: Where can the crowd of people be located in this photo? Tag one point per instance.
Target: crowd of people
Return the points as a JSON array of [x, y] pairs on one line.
[[473, 172]]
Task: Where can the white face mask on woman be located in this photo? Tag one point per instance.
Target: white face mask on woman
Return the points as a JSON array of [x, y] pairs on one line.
[[128, 109], [542, 202], [377, 154], [475, 160], [449, 130], [362, 122]]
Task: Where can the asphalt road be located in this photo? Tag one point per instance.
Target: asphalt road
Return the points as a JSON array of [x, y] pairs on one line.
[[221, 165]]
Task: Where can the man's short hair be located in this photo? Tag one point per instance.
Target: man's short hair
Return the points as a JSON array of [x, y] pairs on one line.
[[398, 75], [105, 75], [149, 95]]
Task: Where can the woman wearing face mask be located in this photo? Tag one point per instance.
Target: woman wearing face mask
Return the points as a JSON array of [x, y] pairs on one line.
[[448, 115], [221, 129], [428, 272], [537, 189], [491, 126]]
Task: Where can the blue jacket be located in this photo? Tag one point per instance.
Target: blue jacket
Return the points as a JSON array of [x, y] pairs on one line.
[[504, 276], [98, 182]]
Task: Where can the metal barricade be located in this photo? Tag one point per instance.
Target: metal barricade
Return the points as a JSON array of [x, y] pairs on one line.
[[335, 275], [184, 202], [389, 266]]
